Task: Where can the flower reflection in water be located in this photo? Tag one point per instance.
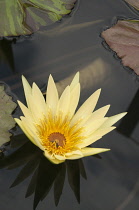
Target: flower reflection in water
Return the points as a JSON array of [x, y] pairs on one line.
[[45, 175]]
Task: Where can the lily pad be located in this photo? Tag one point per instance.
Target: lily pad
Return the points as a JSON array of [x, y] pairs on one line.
[[134, 3], [23, 17], [123, 38], [7, 122]]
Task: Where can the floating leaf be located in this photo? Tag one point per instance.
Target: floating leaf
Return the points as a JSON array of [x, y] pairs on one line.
[[7, 122], [23, 17], [134, 3], [123, 38]]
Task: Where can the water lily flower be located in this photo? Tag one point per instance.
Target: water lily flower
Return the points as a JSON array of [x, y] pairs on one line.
[[57, 128]]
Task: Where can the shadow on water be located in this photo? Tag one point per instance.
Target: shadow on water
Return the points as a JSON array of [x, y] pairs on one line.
[[131, 120], [44, 173], [6, 53], [62, 51]]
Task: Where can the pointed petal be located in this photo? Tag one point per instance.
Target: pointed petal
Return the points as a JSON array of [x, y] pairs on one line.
[[74, 99], [92, 125], [29, 125], [92, 151], [21, 125], [64, 101], [38, 99], [103, 131], [100, 113], [113, 119], [87, 107], [52, 95], [31, 130], [74, 81], [27, 90], [36, 112], [89, 141], [52, 159], [25, 111]]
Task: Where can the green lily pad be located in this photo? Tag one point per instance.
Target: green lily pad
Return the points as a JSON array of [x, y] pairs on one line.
[[23, 17], [7, 122]]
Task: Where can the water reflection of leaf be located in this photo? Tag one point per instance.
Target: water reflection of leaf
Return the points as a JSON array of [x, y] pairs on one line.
[[45, 175], [134, 3], [25, 17], [7, 122]]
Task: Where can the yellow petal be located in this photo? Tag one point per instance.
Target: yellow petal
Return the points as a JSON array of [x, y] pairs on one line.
[[21, 125], [87, 107], [113, 119], [64, 102], [25, 111], [29, 125], [37, 113], [38, 100], [73, 157], [75, 81], [59, 157], [51, 95], [92, 151], [92, 125], [103, 131], [30, 129], [51, 158], [27, 90], [75, 152], [74, 99], [89, 141], [100, 113]]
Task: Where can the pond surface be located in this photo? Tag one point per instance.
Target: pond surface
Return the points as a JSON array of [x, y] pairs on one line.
[[74, 44]]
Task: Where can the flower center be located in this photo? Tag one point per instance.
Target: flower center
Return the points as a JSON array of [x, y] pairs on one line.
[[58, 138]]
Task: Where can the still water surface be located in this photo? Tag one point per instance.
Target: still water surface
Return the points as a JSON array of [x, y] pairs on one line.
[[72, 45]]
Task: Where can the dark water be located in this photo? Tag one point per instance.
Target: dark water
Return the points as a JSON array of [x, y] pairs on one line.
[[74, 45]]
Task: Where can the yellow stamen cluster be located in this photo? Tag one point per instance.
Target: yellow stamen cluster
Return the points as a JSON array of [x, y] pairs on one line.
[[57, 136]]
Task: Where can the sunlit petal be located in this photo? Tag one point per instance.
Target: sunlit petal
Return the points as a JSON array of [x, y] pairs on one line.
[[21, 125], [54, 126], [38, 97], [64, 102], [52, 159], [27, 90], [75, 81], [112, 120], [92, 151], [74, 99], [87, 107], [51, 95]]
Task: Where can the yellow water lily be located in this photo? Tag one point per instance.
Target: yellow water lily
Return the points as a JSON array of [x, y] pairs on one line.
[[55, 127]]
